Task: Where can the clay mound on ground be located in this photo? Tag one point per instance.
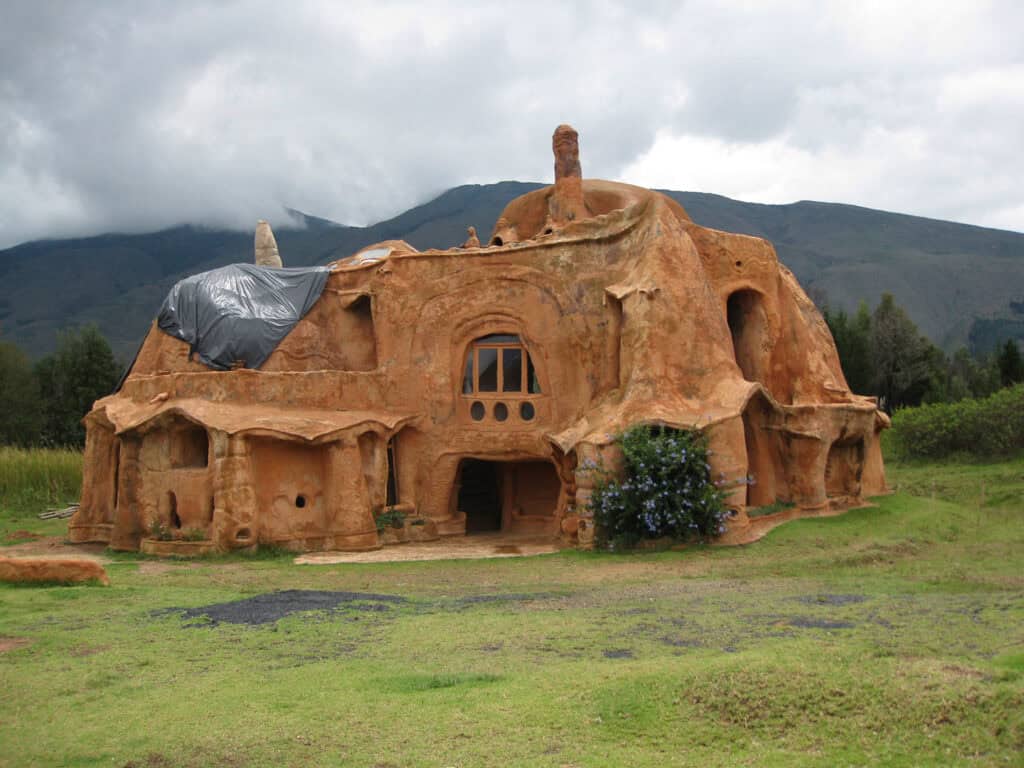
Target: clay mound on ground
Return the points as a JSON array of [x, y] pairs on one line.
[[40, 570]]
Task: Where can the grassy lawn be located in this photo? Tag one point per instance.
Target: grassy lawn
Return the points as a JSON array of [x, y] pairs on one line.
[[887, 636]]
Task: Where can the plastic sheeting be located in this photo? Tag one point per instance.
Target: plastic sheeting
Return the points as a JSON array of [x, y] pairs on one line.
[[240, 313]]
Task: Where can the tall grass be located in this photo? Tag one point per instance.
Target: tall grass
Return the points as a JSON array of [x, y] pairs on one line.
[[33, 478]]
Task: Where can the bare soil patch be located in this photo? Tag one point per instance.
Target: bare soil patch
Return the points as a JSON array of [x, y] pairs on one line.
[[13, 643], [22, 535], [476, 546], [55, 545]]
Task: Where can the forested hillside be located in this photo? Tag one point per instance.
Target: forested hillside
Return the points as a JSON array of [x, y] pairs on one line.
[[962, 285]]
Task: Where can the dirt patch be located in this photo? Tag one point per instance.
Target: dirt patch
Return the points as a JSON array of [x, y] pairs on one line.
[[13, 643], [804, 622], [56, 546], [511, 597], [272, 606], [477, 546], [152, 760], [826, 599], [681, 642], [618, 653], [80, 651], [22, 536]]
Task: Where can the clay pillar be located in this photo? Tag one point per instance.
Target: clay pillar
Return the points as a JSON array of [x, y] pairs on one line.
[[235, 523], [590, 460], [728, 460], [129, 520], [350, 522], [805, 471], [566, 201], [94, 518]]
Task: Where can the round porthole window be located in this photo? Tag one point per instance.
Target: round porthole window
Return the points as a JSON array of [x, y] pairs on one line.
[[527, 411], [500, 411], [300, 501], [477, 411]]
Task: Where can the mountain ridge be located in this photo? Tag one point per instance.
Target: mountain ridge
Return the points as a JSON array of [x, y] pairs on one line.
[[961, 283]]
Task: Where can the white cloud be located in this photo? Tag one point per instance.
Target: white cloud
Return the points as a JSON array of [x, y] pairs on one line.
[[135, 115]]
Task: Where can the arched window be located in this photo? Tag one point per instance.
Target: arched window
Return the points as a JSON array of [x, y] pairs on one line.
[[499, 364]]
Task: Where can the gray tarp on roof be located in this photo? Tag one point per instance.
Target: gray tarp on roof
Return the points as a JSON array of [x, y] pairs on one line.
[[240, 312]]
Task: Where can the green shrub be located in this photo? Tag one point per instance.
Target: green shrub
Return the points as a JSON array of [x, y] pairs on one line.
[[194, 534], [159, 531], [991, 426], [390, 517], [666, 490]]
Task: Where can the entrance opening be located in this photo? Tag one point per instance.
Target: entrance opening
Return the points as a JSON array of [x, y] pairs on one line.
[[749, 327], [509, 496], [172, 510], [391, 492], [480, 496]]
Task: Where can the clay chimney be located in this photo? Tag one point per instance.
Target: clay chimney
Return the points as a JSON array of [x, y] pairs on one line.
[[267, 254], [566, 202]]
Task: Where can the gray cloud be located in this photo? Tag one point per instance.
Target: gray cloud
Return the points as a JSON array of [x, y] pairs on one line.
[[130, 116]]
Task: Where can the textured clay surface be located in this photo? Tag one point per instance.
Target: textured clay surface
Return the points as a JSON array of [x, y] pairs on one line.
[[468, 390]]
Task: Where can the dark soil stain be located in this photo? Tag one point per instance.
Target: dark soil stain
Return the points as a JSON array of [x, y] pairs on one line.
[[826, 599], [807, 623], [269, 607], [681, 642], [511, 597], [618, 653]]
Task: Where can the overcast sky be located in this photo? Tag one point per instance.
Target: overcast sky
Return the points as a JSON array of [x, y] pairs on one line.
[[135, 115]]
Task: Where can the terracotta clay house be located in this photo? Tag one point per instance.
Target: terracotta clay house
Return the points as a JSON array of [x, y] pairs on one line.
[[466, 387]]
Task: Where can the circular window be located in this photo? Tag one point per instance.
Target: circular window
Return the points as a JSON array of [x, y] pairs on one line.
[[477, 411], [527, 411], [300, 501], [500, 411]]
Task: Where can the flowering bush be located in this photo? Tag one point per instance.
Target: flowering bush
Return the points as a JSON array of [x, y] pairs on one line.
[[666, 490]]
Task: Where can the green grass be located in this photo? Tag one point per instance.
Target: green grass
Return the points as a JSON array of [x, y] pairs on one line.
[[886, 636]]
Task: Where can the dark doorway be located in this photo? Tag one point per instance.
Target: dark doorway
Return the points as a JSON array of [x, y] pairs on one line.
[[480, 496], [749, 327]]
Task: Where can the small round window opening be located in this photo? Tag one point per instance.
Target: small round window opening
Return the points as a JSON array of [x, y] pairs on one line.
[[300, 501], [500, 411], [477, 411], [527, 411]]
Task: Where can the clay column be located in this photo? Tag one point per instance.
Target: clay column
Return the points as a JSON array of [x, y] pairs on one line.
[[92, 521], [806, 471], [350, 522], [128, 527], [729, 461], [590, 461], [234, 514]]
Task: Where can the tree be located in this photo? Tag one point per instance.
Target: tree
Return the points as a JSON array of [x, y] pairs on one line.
[[1011, 367], [853, 342], [901, 358], [81, 371], [20, 415]]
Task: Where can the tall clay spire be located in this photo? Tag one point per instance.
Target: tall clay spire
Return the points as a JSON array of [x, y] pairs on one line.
[[566, 203], [267, 254]]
